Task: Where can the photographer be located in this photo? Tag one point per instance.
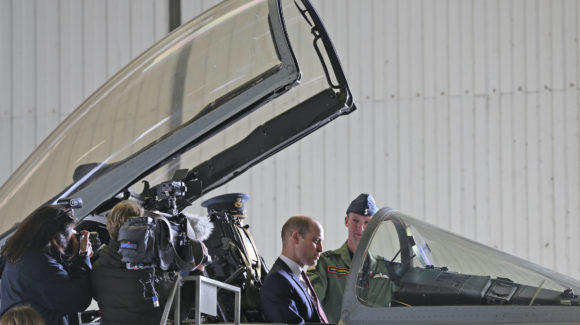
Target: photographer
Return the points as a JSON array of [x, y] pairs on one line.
[[38, 274]]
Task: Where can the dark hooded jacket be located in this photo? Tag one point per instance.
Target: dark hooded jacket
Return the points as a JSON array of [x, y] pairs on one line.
[[125, 296], [54, 288]]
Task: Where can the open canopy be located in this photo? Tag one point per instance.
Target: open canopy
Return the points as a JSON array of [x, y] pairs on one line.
[[220, 94]]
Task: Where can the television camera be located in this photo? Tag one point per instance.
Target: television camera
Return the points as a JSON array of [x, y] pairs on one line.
[[167, 240]]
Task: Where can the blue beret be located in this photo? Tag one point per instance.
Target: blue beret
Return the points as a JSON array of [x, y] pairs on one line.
[[232, 203], [364, 205]]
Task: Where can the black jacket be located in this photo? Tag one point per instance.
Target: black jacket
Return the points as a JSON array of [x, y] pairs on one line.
[[123, 295], [44, 282]]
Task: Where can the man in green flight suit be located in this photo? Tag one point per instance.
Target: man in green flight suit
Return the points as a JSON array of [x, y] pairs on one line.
[[329, 275]]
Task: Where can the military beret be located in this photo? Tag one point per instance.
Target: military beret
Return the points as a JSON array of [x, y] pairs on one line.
[[364, 205], [232, 203]]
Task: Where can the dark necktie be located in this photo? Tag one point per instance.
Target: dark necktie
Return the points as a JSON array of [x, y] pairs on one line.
[[314, 298]]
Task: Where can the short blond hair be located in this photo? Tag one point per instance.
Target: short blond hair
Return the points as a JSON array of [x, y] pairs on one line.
[[22, 315], [119, 214]]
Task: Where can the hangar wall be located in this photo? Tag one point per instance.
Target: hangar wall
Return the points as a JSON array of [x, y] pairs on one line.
[[468, 113]]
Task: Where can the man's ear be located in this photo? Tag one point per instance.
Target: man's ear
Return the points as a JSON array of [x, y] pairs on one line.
[[295, 237], [346, 221]]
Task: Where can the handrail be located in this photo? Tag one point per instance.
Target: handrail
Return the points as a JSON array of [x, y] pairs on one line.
[[200, 282]]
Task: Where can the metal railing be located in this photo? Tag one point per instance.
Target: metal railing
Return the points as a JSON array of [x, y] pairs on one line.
[[205, 298]]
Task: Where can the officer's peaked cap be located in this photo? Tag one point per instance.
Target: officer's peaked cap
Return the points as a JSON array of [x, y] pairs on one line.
[[232, 203]]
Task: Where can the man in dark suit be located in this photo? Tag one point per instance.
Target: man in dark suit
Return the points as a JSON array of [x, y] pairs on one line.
[[287, 295]]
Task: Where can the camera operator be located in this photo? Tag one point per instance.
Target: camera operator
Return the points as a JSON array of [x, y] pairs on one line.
[[38, 273], [119, 291], [128, 296]]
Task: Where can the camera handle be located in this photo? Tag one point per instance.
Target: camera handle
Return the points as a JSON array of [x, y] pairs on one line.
[[149, 287]]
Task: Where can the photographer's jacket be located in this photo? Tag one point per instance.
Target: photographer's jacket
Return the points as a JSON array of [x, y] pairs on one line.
[[53, 289], [122, 297]]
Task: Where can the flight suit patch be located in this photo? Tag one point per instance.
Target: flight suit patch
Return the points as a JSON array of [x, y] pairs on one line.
[[339, 270]]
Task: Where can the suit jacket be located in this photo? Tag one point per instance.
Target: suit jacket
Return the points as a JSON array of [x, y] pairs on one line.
[[283, 298]]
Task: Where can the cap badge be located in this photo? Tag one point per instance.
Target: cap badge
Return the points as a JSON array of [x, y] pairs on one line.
[[238, 204], [366, 211]]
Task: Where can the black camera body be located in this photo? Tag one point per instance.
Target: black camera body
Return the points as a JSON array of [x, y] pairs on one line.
[[157, 240], [94, 239], [137, 242], [171, 189], [160, 238]]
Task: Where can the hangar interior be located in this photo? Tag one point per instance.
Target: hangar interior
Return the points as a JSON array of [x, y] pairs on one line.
[[468, 113]]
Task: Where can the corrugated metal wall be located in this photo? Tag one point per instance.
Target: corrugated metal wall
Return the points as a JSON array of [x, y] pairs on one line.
[[473, 106], [468, 112], [54, 54]]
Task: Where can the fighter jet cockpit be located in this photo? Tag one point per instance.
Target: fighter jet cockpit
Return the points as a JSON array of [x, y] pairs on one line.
[[408, 269]]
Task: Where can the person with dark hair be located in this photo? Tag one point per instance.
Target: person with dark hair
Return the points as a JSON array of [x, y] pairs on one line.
[[37, 271], [287, 295], [21, 315]]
